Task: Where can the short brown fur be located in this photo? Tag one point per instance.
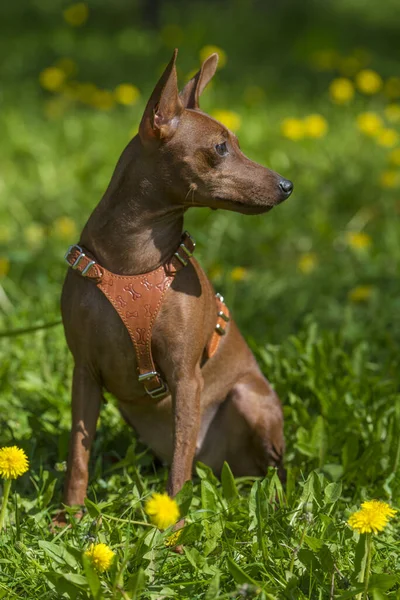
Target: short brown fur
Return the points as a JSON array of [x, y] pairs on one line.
[[224, 410]]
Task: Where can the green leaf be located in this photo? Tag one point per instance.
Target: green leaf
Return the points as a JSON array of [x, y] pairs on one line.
[[360, 558], [208, 498], [214, 536], [204, 472], [196, 559], [238, 574], [352, 593], [213, 588], [92, 579], [58, 553], [92, 509], [333, 492], [382, 582], [191, 533], [229, 488], [313, 543], [259, 517], [319, 440], [135, 584], [308, 559], [184, 498], [48, 494]]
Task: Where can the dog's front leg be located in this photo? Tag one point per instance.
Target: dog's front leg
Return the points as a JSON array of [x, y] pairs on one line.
[[86, 402], [186, 426]]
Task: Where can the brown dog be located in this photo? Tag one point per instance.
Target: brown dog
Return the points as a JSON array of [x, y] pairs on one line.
[[219, 407]]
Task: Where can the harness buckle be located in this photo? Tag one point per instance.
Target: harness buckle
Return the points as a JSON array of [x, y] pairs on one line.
[[158, 392], [78, 259]]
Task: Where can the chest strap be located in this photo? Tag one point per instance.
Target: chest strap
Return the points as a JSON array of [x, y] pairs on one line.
[[138, 298]]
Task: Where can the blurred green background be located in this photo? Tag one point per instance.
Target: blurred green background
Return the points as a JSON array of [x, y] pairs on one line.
[[312, 90]]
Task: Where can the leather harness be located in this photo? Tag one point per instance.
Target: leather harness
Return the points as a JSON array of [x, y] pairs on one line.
[[138, 298]]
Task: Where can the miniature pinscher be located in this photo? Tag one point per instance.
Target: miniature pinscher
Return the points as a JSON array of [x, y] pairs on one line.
[[184, 379]]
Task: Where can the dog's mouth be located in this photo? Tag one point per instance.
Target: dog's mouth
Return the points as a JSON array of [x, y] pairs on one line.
[[242, 207], [233, 205]]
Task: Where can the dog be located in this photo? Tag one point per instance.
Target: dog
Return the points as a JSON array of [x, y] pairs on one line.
[[182, 374]]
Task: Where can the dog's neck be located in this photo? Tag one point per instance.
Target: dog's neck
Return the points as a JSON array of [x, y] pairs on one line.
[[135, 228]]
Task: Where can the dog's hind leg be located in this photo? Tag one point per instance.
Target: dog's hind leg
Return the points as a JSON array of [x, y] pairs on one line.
[[86, 402], [247, 430]]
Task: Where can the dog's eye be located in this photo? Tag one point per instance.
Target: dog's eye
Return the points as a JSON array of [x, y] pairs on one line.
[[222, 149]]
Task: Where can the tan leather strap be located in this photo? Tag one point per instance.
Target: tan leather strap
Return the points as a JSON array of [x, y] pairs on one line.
[[137, 299], [223, 319]]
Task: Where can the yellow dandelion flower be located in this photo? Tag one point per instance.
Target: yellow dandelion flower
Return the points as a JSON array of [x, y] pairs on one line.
[[293, 129], [341, 90], [77, 14], [162, 510], [173, 539], [52, 79], [392, 88], [383, 507], [372, 518], [238, 274], [101, 556], [369, 123], [34, 235], [126, 94], [207, 50], [358, 240], [361, 293], [4, 266], [230, 119], [387, 138], [368, 81], [389, 179], [13, 462], [307, 262], [64, 228], [315, 126], [394, 157], [392, 112]]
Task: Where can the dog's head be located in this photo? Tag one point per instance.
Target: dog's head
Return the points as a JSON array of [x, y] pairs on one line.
[[198, 158]]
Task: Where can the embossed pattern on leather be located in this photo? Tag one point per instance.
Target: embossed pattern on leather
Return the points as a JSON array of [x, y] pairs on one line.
[[138, 298]]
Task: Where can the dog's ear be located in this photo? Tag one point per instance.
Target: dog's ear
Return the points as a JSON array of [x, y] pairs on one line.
[[161, 116], [193, 89]]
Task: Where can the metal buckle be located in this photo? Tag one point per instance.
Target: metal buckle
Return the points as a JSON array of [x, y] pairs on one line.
[[223, 316], [219, 329], [187, 234], [158, 392], [86, 269], [78, 258], [181, 259]]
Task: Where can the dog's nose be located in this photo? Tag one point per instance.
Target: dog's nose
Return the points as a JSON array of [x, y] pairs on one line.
[[286, 186]]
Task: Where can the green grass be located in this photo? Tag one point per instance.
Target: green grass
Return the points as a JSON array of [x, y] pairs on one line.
[[333, 361]]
